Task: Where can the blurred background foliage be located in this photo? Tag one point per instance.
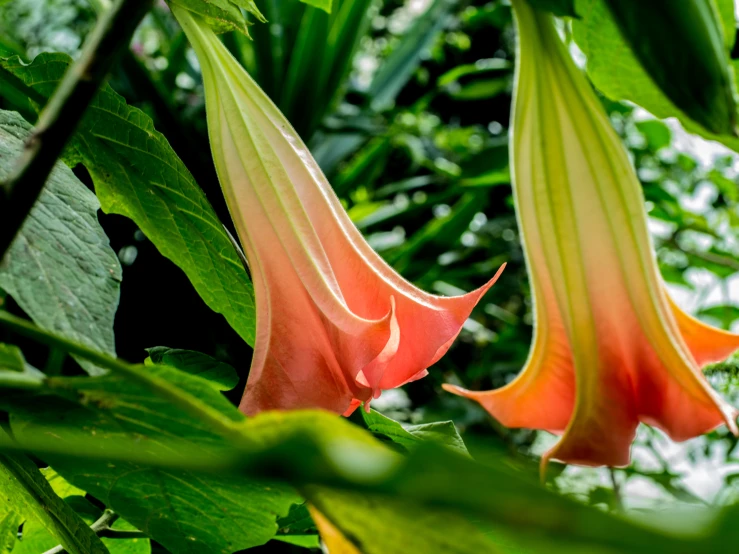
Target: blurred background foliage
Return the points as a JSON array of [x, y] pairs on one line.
[[405, 105]]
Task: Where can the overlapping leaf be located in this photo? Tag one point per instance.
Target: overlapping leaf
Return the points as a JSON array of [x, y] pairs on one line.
[[27, 493], [223, 15], [615, 70], [186, 512], [61, 269], [137, 174], [410, 436]]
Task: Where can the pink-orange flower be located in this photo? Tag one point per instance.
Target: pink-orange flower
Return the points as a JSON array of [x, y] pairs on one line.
[[335, 324], [610, 348]]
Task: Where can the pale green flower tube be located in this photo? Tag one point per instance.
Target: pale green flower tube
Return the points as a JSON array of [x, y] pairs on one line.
[[610, 349]]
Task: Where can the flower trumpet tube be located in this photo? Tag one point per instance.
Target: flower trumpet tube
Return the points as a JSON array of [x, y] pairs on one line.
[[335, 324], [610, 349]]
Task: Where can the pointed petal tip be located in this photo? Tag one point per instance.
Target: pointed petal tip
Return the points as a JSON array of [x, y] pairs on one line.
[[483, 289], [353, 406]]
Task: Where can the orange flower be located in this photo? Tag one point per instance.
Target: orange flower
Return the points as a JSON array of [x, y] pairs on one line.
[[610, 348], [335, 324]]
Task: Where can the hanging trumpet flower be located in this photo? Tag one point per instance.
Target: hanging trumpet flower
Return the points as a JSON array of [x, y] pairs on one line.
[[610, 349], [335, 324]]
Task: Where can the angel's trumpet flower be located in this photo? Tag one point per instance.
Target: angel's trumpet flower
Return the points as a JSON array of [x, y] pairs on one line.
[[610, 348], [335, 324]]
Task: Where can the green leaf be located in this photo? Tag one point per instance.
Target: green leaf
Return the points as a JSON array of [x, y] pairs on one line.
[[313, 46], [223, 15], [37, 539], [440, 432], [127, 546], [297, 522], [615, 70], [184, 511], [11, 358], [328, 457], [378, 524], [681, 46], [60, 269], [410, 436], [561, 8], [61, 486], [325, 5], [9, 524], [27, 492], [727, 17], [406, 57], [306, 541], [220, 374], [446, 229], [481, 89], [137, 174], [118, 434], [658, 134], [481, 67], [725, 314]]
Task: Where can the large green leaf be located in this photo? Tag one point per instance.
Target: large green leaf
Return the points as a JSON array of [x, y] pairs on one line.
[[381, 524], [222, 375], [325, 5], [410, 436], [137, 174], [615, 70], [25, 490], [681, 46], [36, 537], [167, 448], [223, 15], [60, 269], [184, 511], [325, 456]]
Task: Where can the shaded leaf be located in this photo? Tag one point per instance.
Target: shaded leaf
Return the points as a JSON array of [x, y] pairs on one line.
[[615, 70], [222, 375], [11, 358], [325, 5], [134, 415], [137, 174], [9, 523], [184, 511], [27, 492], [223, 15], [306, 541], [360, 523], [681, 46], [410, 436], [61, 269]]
